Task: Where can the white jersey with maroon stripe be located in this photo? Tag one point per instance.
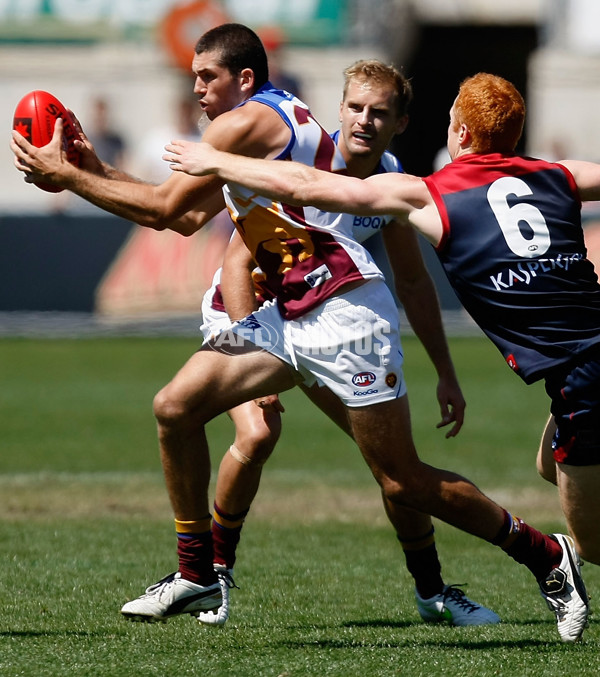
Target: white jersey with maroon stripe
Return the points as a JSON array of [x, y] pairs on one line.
[[305, 254]]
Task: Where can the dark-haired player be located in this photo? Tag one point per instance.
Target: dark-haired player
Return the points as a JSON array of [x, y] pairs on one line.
[[373, 109], [331, 301], [508, 233]]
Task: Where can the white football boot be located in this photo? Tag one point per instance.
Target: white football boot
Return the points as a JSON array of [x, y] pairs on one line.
[[219, 616], [565, 593], [172, 596], [452, 606]]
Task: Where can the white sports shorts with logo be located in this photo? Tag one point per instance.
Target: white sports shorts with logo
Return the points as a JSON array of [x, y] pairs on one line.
[[350, 343], [213, 321]]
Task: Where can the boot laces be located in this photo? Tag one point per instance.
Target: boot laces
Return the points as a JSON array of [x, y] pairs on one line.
[[456, 595]]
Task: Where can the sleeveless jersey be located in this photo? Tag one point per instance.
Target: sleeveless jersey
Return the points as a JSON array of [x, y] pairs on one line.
[[362, 228], [513, 250], [306, 255]]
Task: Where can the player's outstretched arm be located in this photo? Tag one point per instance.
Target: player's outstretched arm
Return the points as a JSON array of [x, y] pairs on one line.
[[295, 183], [181, 203], [587, 177], [89, 160], [51, 162]]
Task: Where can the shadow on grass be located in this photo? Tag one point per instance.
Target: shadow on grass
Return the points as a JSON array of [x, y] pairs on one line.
[[50, 633], [382, 623], [461, 641], [469, 645]]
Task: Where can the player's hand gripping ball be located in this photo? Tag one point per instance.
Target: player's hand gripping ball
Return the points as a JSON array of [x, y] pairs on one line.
[[35, 116]]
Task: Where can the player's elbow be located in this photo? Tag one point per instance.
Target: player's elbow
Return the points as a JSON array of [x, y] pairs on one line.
[[153, 221], [161, 221]]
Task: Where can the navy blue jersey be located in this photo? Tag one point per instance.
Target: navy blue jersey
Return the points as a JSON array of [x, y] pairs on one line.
[[514, 252]]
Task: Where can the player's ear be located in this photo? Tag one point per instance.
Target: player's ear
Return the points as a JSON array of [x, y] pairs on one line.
[[464, 135], [402, 124], [246, 78]]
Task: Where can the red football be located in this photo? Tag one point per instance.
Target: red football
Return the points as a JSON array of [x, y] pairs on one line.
[[34, 118]]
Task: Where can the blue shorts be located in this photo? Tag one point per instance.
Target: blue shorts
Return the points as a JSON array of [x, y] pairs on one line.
[[575, 394]]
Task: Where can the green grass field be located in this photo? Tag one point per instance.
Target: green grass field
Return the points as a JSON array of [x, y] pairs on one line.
[[85, 525]]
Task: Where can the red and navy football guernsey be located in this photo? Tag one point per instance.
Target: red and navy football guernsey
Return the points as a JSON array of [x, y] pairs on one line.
[[513, 250]]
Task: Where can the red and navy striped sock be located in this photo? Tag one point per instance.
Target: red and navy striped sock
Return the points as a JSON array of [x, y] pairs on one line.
[[528, 546], [226, 530], [195, 551]]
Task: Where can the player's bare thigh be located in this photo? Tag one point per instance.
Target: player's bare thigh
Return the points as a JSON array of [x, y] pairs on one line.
[[579, 491], [383, 433], [579, 494], [212, 382], [330, 404]]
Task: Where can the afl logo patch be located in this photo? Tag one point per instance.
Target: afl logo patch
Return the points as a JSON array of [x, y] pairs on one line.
[[363, 379], [391, 380]]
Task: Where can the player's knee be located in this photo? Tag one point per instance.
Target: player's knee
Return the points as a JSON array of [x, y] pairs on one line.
[[257, 440], [407, 492], [254, 461], [169, 410]]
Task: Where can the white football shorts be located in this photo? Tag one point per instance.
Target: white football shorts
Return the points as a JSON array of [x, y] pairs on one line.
[[350, 343], [213, 321]]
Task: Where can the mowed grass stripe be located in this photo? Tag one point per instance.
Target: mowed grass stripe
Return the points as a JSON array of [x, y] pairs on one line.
[[85, 525], [285, 495]]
